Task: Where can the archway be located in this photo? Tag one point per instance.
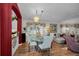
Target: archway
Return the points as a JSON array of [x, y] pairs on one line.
[[19, 20], [6, 27]]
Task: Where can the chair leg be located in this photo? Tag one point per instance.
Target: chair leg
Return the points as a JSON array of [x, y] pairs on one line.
[[28, 48], [45, 52]]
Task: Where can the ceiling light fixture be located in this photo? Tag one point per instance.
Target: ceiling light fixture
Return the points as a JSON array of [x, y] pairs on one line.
[[37, 18]]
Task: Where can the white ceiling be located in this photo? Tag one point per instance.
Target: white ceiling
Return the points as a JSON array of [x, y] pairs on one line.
[[53, 12]]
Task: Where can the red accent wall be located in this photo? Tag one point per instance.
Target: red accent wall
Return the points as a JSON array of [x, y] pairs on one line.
[[20, 30], [6, 27], [0, 32]]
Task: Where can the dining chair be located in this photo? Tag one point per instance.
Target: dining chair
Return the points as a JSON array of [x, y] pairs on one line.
[[46, 45], [31, 44]]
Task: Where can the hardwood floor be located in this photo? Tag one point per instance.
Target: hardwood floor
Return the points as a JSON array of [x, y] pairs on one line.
[[57, 50]]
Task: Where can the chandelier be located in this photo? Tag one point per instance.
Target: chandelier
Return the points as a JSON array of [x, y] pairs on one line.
[[37, 18]]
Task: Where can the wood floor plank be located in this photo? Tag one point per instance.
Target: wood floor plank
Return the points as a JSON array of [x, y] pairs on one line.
[[57, 50]]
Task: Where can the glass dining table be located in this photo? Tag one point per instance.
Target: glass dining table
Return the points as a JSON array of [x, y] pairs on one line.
[[37, 39]]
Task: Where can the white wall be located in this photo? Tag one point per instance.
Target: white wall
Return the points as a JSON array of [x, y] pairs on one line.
[[14, 25], [14, 22], [14, 40], [25, 21], [70, 21]]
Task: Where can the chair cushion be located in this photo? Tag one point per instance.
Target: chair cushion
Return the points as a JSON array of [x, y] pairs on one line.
[[60, 40], [33, 43], [46, 42]]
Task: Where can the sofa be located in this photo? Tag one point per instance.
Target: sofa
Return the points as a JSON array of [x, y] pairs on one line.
[[72, 44]]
